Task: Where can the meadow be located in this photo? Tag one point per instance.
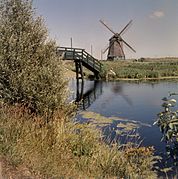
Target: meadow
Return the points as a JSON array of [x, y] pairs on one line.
[[144, 68]]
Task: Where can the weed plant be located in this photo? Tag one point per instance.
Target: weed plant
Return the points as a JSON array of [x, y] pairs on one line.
[[62, 148]]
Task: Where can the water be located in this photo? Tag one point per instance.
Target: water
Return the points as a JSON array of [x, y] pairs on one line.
[[138, 101]]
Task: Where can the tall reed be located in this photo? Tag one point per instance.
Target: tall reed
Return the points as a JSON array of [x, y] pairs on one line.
[[62, 148]]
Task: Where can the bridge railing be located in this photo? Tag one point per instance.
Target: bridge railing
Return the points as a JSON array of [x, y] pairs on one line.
[[92, 61], [79, 54], [69, 53]]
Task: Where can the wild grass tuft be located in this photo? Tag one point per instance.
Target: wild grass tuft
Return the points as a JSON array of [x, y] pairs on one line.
[[62, 148]]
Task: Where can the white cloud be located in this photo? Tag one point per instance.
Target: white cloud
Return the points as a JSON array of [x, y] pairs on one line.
[[157, 14]]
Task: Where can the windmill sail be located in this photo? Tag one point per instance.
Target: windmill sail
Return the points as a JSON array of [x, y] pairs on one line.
[[116, 43]]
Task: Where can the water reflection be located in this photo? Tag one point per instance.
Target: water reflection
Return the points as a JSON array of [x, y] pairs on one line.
[[118, 90], [85, 98]]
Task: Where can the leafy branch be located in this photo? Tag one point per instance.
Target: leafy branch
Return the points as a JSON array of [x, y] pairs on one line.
[[168, 120]]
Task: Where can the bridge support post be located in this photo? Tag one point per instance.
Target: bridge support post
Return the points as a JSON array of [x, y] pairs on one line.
[[79, 70], [79, 75], [80, 90]]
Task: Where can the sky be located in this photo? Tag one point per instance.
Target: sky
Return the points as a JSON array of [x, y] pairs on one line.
[[153, 33]]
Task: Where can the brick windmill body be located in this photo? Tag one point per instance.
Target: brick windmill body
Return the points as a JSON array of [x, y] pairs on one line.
[[116, 43]]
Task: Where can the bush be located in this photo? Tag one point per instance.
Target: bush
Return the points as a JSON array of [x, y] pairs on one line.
[[168, 121], [30, 71], [152, 74]]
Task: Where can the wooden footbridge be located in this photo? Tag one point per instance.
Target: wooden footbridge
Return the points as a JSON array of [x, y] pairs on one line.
[[81, 58]]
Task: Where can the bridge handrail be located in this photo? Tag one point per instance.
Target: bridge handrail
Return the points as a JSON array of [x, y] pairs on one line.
[[81, 54], [91, 58], [70, 48]]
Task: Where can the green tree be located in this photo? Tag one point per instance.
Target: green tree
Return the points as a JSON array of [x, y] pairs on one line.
[[30, 71]]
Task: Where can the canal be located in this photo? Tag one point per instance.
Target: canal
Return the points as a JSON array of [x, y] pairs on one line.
[[127, 103]]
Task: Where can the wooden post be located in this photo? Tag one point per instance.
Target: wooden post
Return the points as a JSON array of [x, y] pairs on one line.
[[71, 42], [73, 54], [79, 70], [91, 50]]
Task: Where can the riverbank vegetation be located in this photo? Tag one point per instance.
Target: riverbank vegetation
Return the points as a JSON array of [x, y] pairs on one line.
[[168, 123], [62, 148], [37, 125], [142, 69]]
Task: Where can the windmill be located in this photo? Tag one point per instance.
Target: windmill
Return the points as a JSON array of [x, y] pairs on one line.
[[116, 43]]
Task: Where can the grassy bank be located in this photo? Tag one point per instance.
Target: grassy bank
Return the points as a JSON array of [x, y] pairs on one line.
[[62, 148], [164, 68], [142, 69]]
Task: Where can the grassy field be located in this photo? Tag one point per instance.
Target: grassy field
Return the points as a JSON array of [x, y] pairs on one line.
[[142, 68], [160, 68]]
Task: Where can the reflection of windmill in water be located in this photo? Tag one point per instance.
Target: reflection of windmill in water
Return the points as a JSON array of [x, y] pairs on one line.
[[116, 43], [117, 90]]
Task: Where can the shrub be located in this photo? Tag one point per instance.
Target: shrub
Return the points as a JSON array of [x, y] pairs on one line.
[[152, 74], [168, 123], [168, 120], [30, 71]]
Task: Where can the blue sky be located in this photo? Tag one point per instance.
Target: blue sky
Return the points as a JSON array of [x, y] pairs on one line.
[[154, 31]]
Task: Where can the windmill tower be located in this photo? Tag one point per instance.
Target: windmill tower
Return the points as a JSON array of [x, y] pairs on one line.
[[116, 43]]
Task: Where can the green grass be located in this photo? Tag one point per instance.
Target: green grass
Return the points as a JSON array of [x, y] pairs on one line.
[[149, 68]]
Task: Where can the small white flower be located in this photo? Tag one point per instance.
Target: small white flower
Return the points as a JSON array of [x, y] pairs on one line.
[[166, 109], [172, 101]]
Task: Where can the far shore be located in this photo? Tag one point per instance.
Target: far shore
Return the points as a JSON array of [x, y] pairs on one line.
[[140, 79], [129, 70], [69, 74]]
